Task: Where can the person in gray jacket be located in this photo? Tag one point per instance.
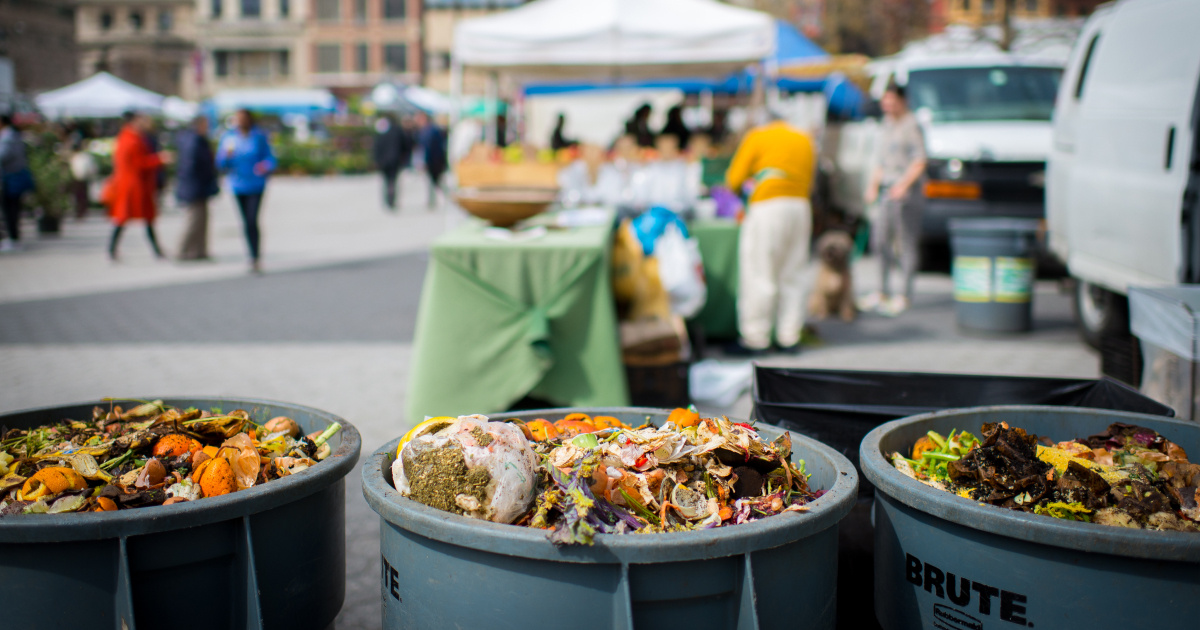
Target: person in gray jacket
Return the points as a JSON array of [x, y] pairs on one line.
[[196, 183], [16, 181]]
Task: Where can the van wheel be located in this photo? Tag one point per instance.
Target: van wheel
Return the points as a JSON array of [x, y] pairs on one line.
[[1099, 312]]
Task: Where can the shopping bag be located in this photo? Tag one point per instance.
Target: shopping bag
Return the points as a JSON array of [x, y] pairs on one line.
[[681, 271]]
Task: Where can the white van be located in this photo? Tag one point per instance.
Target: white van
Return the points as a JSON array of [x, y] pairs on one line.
[[1122, 181], [986, 118]]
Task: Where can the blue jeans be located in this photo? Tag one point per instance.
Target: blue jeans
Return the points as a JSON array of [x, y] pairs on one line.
[[249, 205]]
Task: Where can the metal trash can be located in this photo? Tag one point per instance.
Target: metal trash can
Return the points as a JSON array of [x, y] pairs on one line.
[[442, 570], [994, 268], [840, 407], [1166, 322], [942, 561], [269, 556]]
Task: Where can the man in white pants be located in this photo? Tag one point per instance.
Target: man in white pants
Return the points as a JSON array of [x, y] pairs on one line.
[[774, 242]]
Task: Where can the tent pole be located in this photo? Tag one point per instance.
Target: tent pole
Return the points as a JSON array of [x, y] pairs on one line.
[[491, 108], [456, 88]]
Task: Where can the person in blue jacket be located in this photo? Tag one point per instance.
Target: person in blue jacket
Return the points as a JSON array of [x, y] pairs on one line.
[[245, 153]]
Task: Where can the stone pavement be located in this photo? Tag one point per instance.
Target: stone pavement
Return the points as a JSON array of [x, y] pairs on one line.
[[331, 322]]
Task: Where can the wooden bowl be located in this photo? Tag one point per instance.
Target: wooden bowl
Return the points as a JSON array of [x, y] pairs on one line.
[[505, 206]]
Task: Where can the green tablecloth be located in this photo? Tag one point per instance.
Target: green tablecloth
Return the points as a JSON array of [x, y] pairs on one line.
[[500, 320], [718, 241]]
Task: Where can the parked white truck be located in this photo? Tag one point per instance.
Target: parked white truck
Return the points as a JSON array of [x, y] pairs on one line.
[[1123, 176]]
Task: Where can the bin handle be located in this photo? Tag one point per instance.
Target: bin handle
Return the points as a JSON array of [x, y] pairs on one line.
[[623, 606], [748, 610], [123, 596]]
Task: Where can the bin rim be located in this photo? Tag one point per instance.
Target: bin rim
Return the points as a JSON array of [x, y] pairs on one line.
[[40, 528], [1036, 528], [993, 224], [525, 542]]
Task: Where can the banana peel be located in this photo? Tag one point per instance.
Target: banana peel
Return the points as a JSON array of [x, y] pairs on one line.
[[1059, 458]]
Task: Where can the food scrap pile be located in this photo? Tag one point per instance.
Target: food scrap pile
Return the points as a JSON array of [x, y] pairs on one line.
[[582, 475], [149, 455], [1128, 476]]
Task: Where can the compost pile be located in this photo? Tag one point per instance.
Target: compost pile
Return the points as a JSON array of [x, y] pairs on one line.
[[582, 475], [149, 455], [1128, 476]]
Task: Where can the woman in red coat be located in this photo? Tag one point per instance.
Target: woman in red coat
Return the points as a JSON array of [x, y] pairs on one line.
[[132, 192]]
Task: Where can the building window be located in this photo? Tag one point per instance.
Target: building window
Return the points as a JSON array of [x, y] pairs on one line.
[[165, 20], [135, 20], [221, 63], [251, 8], [360, 11], [329, 10], [362, 57], [217, 7], [966, 5], [395, 9], [285, 63], [285, 8], [1031, 6], [395, 57], [106, 21], [329, 58], [989, 6]]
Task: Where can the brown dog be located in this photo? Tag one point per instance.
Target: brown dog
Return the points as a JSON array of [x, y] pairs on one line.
[[833, 291]]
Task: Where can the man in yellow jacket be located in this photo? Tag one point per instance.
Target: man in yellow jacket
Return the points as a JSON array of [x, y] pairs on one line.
[[774, 242]]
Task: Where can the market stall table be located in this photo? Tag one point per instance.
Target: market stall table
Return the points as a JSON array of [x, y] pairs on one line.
[[503, 319], [718, 241]]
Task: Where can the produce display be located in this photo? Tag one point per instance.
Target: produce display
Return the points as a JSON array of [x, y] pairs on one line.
[[1128, 476], [579, 476], [149, 455]]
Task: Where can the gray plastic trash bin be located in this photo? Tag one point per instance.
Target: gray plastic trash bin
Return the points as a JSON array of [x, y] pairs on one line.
[[272, 556], [442, 570], [994, 267], [1166, 322], [942, 561]]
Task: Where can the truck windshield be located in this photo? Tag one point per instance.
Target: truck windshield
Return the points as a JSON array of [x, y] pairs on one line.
[[973, 94]]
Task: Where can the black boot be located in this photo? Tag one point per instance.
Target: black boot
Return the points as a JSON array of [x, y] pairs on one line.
[[112, 243], [154, 242]]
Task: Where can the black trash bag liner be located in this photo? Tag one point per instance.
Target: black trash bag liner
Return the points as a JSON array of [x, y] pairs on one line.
[[839, 407]]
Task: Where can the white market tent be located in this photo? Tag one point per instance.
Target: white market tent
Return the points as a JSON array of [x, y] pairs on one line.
[[99, 96], [614, 38], [644, 37]]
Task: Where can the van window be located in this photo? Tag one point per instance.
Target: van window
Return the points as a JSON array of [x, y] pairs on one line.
[[984, 93], [1083, 68]]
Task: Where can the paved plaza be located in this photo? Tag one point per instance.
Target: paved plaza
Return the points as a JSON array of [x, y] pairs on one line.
[[330, 324]]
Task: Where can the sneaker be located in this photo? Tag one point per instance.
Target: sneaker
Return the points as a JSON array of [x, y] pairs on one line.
[[739, 349], [870, 302], [894, 306]]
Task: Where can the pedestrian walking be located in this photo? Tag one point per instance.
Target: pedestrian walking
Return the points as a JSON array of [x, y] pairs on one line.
[[245, 153], [196, 183], [133, 190], [16, 180], [83, 170], [393, 153], [897, 166], [774, 239], [432, 138]]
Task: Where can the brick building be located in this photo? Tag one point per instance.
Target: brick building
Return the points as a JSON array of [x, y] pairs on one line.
[[355, 44], [38, 38]]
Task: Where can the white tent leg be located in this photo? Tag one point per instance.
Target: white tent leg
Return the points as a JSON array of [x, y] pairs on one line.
[[456, 89], [491, 109]]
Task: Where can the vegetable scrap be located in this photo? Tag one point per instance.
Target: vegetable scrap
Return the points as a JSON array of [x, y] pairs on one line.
[[584, 475], [1128, 476], [152, 454]]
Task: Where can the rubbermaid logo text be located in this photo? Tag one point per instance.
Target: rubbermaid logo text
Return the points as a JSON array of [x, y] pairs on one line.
[[947, 618]]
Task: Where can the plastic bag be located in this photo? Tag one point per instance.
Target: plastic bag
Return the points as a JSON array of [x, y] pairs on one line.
[[719, 384], [681, 271]]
